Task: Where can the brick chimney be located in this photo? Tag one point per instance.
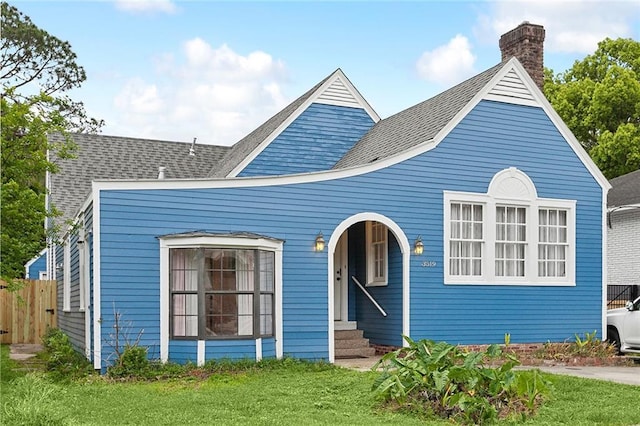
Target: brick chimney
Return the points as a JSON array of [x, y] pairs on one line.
[[526, 42]]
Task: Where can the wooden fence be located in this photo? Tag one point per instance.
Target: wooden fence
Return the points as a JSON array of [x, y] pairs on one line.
[[25, 314]]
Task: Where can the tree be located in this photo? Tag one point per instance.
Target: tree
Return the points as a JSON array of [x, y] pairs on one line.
[[599, 99], [36, 69]]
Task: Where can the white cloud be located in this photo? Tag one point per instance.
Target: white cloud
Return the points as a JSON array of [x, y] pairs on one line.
[[572, 26], [146, 6], [214, 94], [447, 64]]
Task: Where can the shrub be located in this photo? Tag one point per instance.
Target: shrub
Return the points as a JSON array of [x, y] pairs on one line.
[[587, 346], [62, 360], [132, 362], [443, 380]]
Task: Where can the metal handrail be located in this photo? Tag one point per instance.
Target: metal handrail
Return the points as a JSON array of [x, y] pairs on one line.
[[369, 296]]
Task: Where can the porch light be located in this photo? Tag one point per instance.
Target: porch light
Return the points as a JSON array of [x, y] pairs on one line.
[[418, 246], [319, 242]]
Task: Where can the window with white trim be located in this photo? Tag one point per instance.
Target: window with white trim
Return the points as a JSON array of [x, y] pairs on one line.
[[221, 293], [511, 241], [509, 235], [466, 239], [553, 244], [377, 253]]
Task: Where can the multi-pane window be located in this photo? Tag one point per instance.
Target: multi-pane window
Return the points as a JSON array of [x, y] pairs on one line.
[[221, 293], [466, 239], [511, 241], [377, 253], [509, 235], [552, 242]]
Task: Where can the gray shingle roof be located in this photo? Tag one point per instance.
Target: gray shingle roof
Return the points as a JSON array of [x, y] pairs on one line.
[[625, 190], [416, 124], [246, 145], [111, 157]]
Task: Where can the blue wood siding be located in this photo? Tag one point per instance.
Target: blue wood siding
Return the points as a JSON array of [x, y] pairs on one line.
[[493, 136], [40, 265], [268, 347], [315, 141], [377, 328], [183, 351], [71, 322]]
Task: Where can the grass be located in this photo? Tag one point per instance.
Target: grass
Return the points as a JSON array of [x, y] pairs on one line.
[[285, 393]]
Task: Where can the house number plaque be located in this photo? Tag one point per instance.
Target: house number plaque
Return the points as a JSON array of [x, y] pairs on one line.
[[429, 264]]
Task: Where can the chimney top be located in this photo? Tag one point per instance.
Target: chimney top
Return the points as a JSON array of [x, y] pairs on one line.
[[526, 43]]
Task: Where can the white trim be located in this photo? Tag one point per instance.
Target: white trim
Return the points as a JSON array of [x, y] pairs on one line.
[[279, 312], [315, 97], [511, 187], [97, 311], [344, 277], [34, 260], [216, 241], [201, 353], [605, 271], [259, 349], [66, 276], [405, 248]]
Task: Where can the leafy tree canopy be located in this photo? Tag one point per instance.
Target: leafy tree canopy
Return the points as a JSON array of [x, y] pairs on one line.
[[599, 99], [36, 69]]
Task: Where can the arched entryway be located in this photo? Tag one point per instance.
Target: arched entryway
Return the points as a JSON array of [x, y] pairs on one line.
[[353, 234]]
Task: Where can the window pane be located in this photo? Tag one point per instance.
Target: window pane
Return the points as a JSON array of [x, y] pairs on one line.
[[552, 254], [266, 314], [184, 269], [185, 314], [455, 211], [477, 213]]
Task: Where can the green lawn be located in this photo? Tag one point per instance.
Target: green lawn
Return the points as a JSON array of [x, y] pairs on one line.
[[293, 394]]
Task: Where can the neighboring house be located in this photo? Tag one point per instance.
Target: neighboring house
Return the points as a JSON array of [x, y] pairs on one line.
[[470, 215], [623, 238], [36, 268]]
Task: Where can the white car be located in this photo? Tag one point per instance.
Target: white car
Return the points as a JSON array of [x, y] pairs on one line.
[[623, 327]]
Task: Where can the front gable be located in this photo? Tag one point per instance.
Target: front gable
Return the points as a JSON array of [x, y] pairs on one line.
[[316, 135]]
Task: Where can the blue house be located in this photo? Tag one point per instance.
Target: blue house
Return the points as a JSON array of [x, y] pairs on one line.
[[328, 229]]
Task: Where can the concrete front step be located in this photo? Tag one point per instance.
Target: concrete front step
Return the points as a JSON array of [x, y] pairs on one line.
[[355, 352], [351, 343], [348, 334]]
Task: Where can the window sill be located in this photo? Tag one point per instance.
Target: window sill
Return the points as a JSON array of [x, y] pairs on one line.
[[511, 283]]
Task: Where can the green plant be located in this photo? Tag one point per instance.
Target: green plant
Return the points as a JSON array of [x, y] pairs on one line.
[[132, 362], [62, 360], [440, 378], [32, 400], [587, 346]]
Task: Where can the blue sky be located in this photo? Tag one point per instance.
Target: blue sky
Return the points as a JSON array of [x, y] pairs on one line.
[[176, 70]]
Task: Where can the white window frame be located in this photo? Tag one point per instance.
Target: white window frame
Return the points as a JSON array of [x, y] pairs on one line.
[[66, 276], [372, 279], [511, 188], [232, 242]]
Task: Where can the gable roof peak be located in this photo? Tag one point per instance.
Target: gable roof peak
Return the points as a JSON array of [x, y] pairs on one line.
[[335, 89]]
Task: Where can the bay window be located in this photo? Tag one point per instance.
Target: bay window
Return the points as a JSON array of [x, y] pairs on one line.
[[221, 293]]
